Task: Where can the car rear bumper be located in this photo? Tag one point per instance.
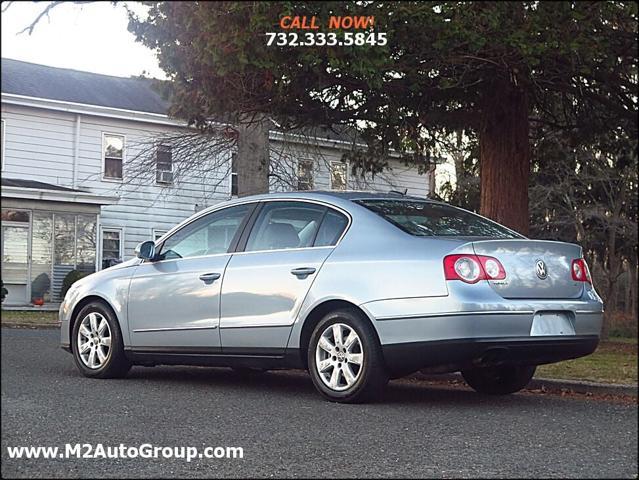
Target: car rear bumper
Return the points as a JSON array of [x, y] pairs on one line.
[[457, 330], [476, 311], [458, 354]]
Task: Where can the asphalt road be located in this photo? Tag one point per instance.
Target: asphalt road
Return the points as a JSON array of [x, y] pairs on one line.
[[286, 429]]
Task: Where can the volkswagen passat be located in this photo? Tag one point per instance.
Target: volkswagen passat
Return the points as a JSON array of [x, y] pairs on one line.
[[355, 287]]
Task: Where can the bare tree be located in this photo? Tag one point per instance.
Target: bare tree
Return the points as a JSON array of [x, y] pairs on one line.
[[592, 201]]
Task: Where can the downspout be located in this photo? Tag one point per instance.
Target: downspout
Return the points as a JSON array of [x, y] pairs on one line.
[[76, 153]]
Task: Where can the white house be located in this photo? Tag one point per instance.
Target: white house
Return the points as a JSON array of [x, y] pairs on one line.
[[67, 140]]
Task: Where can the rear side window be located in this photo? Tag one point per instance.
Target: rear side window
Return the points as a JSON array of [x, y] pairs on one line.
[[331, 229], [426, 219], [283, 225]]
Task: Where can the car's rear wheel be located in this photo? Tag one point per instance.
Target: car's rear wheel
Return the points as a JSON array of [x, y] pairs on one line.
[[499, 380], [345, 358], [97, 344]]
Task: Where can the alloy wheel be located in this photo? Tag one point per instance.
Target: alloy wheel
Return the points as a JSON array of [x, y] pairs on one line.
[[94, 340], [339, 357]]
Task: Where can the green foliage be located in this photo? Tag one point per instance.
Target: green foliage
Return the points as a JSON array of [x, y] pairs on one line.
[[70, 278], [40, 286], [3, 291], [441, 62]]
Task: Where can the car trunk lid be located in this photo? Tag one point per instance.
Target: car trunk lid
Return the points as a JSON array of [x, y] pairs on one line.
[[534, 268]]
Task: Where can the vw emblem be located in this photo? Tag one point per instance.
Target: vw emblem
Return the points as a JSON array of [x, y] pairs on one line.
[[540, 269]]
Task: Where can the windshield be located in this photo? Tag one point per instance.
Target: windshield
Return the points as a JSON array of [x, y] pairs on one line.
[[426, 219]]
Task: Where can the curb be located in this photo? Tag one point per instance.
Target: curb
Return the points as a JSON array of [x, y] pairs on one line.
[[551, 385], [32, 326], [582, 386]]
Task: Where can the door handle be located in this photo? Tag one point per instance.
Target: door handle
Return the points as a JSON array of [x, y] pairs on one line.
[[303, 272], [209, 277]]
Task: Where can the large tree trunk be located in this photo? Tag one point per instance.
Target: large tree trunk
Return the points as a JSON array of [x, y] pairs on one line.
[[505, 156], [252, 163]]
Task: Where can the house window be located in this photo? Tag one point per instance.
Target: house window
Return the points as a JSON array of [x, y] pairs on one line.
[[234, 185], [41, 247], [157, 234], [2, 144], [111, 246], [164, 164], [339, 176], [15, 249], [113, 156], [305, 175], [9, 215]]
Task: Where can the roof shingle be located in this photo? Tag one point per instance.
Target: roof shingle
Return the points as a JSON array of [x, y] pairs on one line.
[[41, 81]]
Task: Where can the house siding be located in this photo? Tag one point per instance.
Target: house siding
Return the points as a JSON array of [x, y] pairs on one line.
[[40, 145]]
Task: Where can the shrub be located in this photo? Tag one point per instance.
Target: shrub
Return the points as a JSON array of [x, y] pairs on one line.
[[70, 278], [3, 291], [40, 286], [623, 325]]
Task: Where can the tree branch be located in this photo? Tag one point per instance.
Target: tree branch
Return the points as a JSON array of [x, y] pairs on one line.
[[29, 29]]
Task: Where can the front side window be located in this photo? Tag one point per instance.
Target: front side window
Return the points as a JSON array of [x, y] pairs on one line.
[[113, 154], [208, 235], [305, 175], [339, 173], [426, 219], [164, 164], [283, 225]]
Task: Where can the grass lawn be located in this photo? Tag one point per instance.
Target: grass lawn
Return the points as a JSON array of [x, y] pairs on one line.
[[15, 316], [615, 361]]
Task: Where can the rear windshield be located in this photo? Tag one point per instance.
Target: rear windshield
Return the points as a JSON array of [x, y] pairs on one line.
[[426, 219]]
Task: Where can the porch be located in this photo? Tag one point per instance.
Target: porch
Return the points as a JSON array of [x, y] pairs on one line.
[[48, 231]]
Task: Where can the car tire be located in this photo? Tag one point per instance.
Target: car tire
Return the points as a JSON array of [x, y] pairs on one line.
[[98, 351], [333, 366], [499, 380]]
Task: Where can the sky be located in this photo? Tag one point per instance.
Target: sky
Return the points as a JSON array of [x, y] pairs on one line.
[[91, 37]]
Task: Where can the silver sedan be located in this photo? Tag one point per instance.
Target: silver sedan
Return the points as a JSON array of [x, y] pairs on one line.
[[356, 287]]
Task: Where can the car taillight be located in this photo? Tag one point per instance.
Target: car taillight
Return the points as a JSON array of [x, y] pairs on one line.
[[473, 268], [580, 272]]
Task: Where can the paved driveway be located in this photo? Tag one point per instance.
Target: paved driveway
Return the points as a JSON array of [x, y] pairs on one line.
[[286, 429]]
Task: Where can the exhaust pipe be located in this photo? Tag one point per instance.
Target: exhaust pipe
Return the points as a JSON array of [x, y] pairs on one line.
[[492, 356]]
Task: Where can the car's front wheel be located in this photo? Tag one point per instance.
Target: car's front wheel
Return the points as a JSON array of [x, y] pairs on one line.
[[97, 344], [345, 358], [499, 380]]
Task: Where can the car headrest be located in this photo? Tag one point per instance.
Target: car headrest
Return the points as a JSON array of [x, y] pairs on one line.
[[280, 235]]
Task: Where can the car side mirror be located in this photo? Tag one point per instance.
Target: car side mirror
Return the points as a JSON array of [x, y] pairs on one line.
[[145, 250]]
